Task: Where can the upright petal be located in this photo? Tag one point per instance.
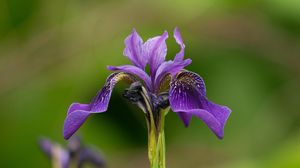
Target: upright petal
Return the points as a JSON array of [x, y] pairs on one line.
[[169, 67], [133, 50], [179, 56], [156, 49], [78, 113], [134, 71], [187, 95]]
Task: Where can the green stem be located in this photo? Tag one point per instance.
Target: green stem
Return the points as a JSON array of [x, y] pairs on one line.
[[156, 141], [156, 135]]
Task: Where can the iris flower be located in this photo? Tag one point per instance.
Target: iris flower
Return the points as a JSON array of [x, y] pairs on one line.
[[167, 85], [75, 155]]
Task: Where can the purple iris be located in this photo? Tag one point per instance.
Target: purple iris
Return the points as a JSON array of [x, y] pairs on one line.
[[75, 155], [167, 85]]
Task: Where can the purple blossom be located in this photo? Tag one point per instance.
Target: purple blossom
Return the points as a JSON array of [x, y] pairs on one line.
[[76, 154], [167, 85]]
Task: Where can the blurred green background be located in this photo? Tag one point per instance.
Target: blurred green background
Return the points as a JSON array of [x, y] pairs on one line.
[[53, 53]]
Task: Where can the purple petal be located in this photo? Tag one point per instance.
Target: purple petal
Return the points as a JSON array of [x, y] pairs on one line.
[[169, 67], [179, 56], [73, 122], [210, 120], [156, 49], [76, 116], [78, 113], [134, 48], [101, 100], [78, 106], [185, 117], [187, 95], [46, 145], [134, 71]]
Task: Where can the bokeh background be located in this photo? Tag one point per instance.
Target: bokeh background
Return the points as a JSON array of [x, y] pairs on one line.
[[53, 53]]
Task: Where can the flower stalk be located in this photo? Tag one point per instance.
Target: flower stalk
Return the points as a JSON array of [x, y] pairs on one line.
[[156, 140]]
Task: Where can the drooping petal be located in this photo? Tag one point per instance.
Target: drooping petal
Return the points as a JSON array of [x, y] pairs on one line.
[[101, 100], [134, 71], [134, 50], [179, 56], [185, 117], [214, 118], [78, 113], [169, 67], [78, 106], [156, 49], [187, 95], [75, 118], [193, 79]]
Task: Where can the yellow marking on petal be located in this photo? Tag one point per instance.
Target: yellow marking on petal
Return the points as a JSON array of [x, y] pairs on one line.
[[165, 83]]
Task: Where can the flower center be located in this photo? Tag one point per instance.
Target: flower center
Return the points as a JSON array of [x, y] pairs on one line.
[[137, 95]]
